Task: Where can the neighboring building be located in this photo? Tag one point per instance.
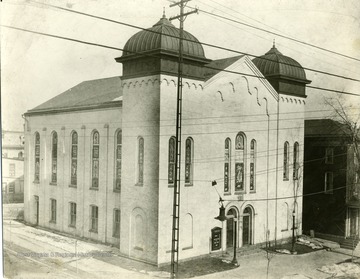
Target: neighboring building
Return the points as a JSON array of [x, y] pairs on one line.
[[12, 166], [329, 174], [100, 156]]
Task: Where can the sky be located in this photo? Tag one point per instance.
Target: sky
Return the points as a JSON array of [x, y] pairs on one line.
[[35, 68]]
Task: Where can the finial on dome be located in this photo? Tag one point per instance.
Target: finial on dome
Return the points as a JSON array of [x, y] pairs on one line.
[[164, 16], [274, 43]]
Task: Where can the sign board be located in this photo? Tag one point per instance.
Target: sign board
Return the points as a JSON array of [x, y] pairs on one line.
[[216, 238]]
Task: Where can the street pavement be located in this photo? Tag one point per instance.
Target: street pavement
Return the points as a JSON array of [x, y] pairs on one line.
[[31, 252], [34, 253]]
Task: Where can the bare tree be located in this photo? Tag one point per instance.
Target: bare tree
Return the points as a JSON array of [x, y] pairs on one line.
[[350, 126], [269, 253]]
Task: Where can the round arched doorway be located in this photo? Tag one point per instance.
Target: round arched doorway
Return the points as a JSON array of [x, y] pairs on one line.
[[247, 226], [230, 227]]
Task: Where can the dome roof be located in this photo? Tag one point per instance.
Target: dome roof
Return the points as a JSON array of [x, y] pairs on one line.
[[274, 63], [163, 36]]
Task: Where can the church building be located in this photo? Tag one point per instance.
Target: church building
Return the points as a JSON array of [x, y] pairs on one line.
[[99, 158]]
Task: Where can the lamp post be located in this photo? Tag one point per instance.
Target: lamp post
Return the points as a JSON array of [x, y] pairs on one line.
[[234, 260], [293, 233], [222, 217]]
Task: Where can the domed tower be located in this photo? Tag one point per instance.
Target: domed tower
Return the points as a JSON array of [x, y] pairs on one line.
[[285, 74], [156, 50]]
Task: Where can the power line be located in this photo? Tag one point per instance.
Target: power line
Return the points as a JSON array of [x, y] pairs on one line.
[[185, 39], [277, 34], [115, 48], [237, 26]]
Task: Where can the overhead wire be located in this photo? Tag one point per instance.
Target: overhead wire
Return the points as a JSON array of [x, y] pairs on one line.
[[237, 26], [185, 39], [277, 34], [115, 48]]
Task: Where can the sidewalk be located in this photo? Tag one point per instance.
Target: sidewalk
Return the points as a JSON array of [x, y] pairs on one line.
[[252, 265]]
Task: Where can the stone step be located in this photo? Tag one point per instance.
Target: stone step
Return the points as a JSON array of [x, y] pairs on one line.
[[349, 243]]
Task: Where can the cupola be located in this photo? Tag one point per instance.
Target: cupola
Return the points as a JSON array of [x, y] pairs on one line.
[[156, 50], [285, 74]]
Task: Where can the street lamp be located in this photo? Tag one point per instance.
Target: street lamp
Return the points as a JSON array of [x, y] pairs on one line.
[[222, 217]]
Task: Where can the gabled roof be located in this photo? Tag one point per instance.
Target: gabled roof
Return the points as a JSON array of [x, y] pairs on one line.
[[87, 94], [325, 128], [218, 65]]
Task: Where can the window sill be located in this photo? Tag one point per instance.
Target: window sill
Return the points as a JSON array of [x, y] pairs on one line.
[[138, 248], [53, 183], [285, 230], [72, 226], [240, 192], [187, 248], [94, 188], [93, 231], [139, 184], [116, 236], [52, 222], [72, 186], [227, 193], [116, 190], [36, 182], [252, 192], [285, 179], [189, 184], [171, 185]]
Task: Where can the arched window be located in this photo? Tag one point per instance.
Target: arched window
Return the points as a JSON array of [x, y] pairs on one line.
[[253, 165], [296, 162], [54, 145], [95, 160], [140, 176], [227, 165], [187, 232], [118, 154], [37, 157], [286, 161], [74, 152], [189, 153], [240, 154], [139, 232], [171, 162]]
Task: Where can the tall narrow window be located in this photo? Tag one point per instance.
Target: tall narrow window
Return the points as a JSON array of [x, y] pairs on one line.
[[95, 160], [72, 210], [329, 155], [171, 163], [329, 179], [74, 152], [54, 145], [296, 162], [94, 218], [239, 162], [140, 178], [116, 230], [227, 164], [189, 152], [286, 161], [253, 165], [52, 210], [37, 157], [118, 160]]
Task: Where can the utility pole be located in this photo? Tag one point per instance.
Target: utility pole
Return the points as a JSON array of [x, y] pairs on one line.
[[176, 201]]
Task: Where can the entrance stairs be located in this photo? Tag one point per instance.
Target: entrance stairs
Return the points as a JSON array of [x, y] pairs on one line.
[[350, 243]]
